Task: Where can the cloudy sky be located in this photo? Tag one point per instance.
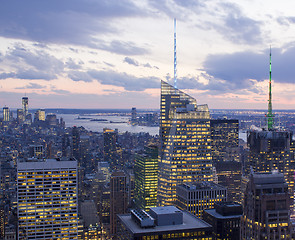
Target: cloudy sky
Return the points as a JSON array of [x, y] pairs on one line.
[[113, 53]]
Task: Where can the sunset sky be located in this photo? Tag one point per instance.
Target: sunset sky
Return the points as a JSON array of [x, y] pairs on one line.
[[113, 53]]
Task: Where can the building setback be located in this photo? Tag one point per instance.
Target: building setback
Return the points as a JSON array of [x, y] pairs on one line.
[[47, 204], [162, 223]]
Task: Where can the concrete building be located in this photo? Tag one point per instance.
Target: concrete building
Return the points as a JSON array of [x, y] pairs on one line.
[[266, 207], [6, 114], [225, 219], [47, 204], [185, 142], [162, 223], [195, 197]]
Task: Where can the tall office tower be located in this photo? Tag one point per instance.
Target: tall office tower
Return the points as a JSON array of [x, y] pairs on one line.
[[266, 207], [118, 197], [133, 116], [146, 178], [110, 138], [25, 105], [19, 115], [39, 115], [195, 197], [47, 204], [6, 114], [185, 142], [36, 151], [229, 175], [225, 219], [76, 148], [224, 140]]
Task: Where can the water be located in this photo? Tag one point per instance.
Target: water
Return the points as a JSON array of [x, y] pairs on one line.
[[98, 126]]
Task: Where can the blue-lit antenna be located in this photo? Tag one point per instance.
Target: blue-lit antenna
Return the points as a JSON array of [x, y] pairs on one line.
[[175, 61]]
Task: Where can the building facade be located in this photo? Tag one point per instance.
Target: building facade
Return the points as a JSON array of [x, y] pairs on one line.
[[225, 219], [195, 197], [47, 204], [185, 142], [146, 178], [266, 207], [224, 140]]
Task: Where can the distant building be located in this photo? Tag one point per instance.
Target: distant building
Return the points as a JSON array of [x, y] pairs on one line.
[[36, 151], [225, 140], [225, 219], [20, 115], [195, 197], [162, 223], [133, 116], [25, 105], [118, 198], [51, 119], [39, 115], [229, 175], [6, 114], [110, 138], [47, 204], [185, 142], [266, 207], [146, 178]]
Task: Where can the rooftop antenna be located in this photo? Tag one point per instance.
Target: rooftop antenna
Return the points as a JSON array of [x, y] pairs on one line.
[[269, 115], [175, 61]]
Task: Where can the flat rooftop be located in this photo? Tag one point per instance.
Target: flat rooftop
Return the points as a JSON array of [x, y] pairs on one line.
[[165, 210], [42, 164], [190, 222], [215, 214]]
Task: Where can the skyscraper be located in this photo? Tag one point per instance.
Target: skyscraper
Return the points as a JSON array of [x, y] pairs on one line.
[[118, 197], [185, 142], [25, 104], [266, 207], [225, 140], [47, 199], [146, 178], [110, 138], [6, 114]]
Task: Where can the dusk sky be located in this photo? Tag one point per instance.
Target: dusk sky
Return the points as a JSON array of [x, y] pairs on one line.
[[113, 53]]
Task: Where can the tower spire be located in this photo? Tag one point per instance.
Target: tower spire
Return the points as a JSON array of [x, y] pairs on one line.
[[269, 115], [175, 61]]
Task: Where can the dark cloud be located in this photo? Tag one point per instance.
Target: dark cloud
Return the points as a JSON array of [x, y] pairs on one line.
[[129, 82], [131, 61], [134, 62], [108, 64], [233, 71], [32, 86], [286, 21], [71, 64], [63, 22], [30, 64]]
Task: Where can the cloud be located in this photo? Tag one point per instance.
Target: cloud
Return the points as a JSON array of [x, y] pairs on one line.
[[71, 64], [79, 76], [32, 86], [239, 66], [121, 47], [131, 61], [135, 63], [30, 64], [67, 22], [129, 82]]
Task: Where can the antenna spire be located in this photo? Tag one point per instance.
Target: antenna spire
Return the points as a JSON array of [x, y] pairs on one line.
[[269, 115], [175, 61]]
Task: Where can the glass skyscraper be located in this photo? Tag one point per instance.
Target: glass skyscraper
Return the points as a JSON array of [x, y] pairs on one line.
[[185, 148]]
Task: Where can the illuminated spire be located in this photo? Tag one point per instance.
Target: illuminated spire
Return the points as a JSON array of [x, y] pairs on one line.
[[175, 61], [269, 115]]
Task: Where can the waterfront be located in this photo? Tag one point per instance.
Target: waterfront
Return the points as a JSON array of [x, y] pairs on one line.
[[113, 122]]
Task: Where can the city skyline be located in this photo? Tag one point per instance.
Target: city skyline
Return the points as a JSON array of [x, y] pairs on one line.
[[109, 55]]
